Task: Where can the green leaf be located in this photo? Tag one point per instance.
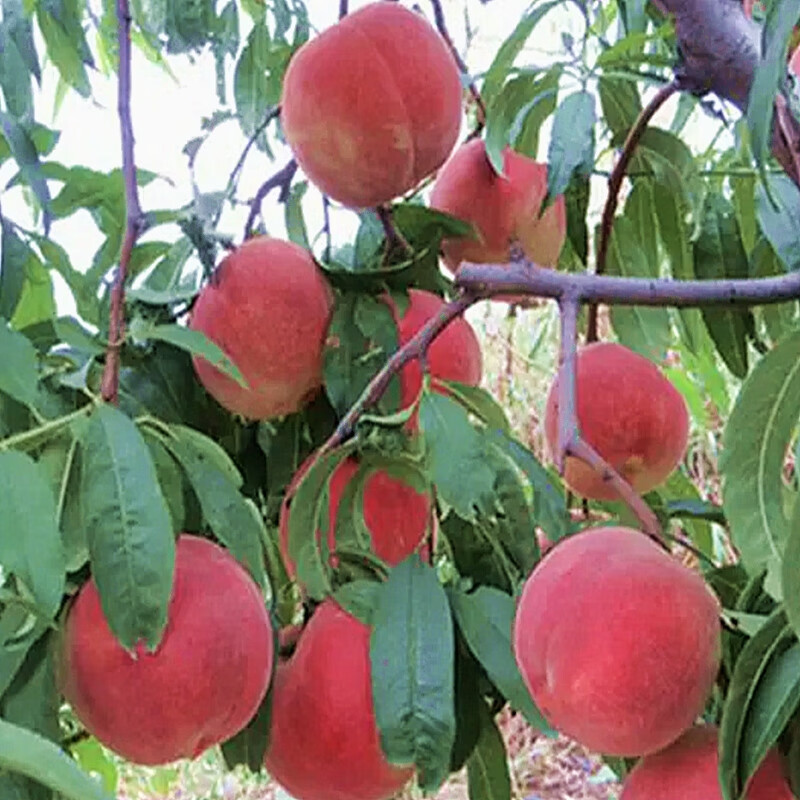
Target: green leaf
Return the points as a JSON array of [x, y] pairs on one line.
[[486, 619], [737, 761], [232, 517], [412, 652], [293, 214], [488, 777], [510, 49], [781, 225], [13, 257], [92, 758], [458, 456], [572, 141], [480, 403], [27, 157], [128, 528], [549, 504], [19, 374], [60, 24], [29, 754], [756, 436], [192, 341], [644, 330], [34, 553], [620, 102], [15, 78], [719, 254]]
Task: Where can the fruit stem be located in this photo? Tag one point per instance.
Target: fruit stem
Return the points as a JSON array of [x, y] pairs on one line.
[[615, 184], [343, 9], [109, 384], [393, 236]]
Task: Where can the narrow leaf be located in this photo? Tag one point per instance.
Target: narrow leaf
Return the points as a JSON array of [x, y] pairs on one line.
[[128, 528], [412, 650], [488, 777], [19, 373]]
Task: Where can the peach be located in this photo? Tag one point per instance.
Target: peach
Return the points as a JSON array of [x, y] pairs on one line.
[[629, 413], [372, 105], [454, 355], [205, 679], [324, 742], [688, 769], [618, 643], [501, 208], [396, 515], [267, 307]]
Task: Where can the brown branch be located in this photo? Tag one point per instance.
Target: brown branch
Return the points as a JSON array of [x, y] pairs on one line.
[[569, 441], [441, 26], [415, 347], [615, 184], [109, 384], [524, 277], [282, 180]]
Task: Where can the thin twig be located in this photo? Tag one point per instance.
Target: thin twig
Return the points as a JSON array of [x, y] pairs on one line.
[[393, 236], [326, 225], [614, 185], [415, 347], [524, 277], [109, 385], [282, 180], [441, 26], [343, 9]]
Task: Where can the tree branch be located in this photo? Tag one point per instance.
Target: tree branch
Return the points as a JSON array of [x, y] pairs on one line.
[[614, 185], [441, 26], [393, 236], [109, 385], [415, 347], [282, 180], [524, 277], [343, 9]]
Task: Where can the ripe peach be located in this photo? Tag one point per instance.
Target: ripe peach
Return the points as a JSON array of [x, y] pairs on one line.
[[372, 105], [454, 355], [202, 684], [396, 515], [324, 742], [618, 643], [688, 769], [267, 307], [629, 413], [502, 208]]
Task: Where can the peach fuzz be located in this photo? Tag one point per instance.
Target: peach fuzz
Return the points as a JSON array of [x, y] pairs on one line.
[[688, 769], [629, 413], [454, 355], [372, 105], [502, 208], [324, 742], [267, 307], [203, 683], [618, 643], [396, 515]]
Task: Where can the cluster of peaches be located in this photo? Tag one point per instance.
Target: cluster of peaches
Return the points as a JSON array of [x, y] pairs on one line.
[[618, 643]]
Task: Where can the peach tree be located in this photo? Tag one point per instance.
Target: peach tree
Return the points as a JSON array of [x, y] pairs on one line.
[[253, 492]]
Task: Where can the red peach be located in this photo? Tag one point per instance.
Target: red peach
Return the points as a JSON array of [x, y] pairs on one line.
[[618, 643], [268, 308], [205, 679], [629, 413], [454, 355], [324, 742], [372, 105], [688, 769], [396, 515], [502, 208]]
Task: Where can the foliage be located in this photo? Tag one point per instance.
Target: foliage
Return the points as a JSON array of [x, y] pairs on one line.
[[90, 486]]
